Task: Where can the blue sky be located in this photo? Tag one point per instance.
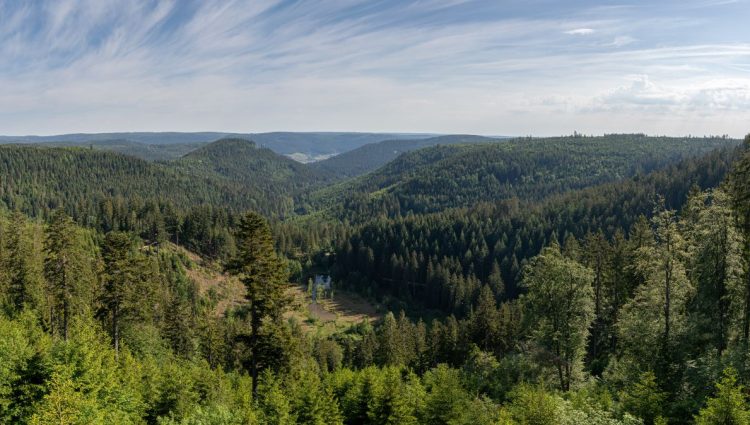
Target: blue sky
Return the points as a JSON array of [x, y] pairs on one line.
[[443, 66]]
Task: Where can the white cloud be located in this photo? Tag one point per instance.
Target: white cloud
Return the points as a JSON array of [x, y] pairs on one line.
[[580, 31], [708, 98], [346, 65], [622, 40]]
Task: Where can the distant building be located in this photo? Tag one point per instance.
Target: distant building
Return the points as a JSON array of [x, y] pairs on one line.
[[321, 281]]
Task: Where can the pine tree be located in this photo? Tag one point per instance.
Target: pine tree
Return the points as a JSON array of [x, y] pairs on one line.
[[596, 256], [121, 278], [739, 187], [495, 280], [644, 398], [654, 321], [389, 344], [63, 270], [272, 401], [485, 320], [264, 277], [17, 265], [729, 405], [716, 269]]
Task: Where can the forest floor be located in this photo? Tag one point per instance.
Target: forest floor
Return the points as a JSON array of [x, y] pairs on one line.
[[341, 311], [330, 314], [225, 290]]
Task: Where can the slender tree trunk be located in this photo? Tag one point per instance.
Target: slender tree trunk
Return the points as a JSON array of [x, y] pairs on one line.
[[51, 318], [667, 292], [560, 369], [667, 300], [116, 330], [65, 318], [746, 321], [254, 325], [721, 270]]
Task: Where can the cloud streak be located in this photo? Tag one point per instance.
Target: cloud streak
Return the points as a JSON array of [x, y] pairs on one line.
[[580, 31], [430, 65]]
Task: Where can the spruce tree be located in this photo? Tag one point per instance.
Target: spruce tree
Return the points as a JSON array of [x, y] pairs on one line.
[[17, 267], [63, 270], [264, 276], [739, 186], [121, 276]]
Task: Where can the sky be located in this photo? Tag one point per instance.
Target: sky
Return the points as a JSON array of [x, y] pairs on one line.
[[489, 67]]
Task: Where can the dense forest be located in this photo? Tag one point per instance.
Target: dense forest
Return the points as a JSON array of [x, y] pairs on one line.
[[575, 280], [372, 156]]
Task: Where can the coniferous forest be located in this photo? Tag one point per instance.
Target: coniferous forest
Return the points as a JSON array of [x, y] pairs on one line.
[[569, 280]]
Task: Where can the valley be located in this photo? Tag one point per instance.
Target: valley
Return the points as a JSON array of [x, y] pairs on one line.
[[412, 212], [445, 259]]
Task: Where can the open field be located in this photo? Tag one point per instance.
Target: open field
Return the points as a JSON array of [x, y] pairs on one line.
[[330, 314]]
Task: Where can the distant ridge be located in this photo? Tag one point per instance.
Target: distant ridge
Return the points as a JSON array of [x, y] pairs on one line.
[[311, 144], [372, 156], [244, 161]]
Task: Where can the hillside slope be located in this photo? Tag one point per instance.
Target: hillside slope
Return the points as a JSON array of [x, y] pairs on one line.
[[36, 179], [242, 161], [308, 143], [373, 156], [439, 177], [160, 152]]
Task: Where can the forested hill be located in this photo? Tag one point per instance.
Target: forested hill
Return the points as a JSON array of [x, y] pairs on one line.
[[36, 179], [242, 161], [160, 152], [622, 319], [439, 177], [308, 143], [440, 260], [372, 156]]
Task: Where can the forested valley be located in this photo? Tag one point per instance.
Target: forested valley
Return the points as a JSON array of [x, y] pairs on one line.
[[569, 280]]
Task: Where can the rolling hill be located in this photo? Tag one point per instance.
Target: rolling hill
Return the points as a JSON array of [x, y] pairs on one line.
[[439, 177], [370, 157], [307, 144], [244, 162], [161, 152], [232, 174]]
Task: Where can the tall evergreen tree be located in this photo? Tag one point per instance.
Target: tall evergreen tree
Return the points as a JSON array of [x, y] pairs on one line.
[[121, 278], [654, 321], [717, 264], [264, 276], [596, 256], [739, 184], [63, 269], [16, 264], [485, 320]]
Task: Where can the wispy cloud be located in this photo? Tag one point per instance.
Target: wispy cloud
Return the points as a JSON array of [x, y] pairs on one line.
[[423, 65], [580, 31]]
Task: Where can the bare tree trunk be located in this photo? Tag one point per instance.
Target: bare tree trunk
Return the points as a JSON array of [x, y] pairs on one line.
[[65, 318], [116, 330]]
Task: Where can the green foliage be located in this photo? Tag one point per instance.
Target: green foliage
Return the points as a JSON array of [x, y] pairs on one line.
[[631, 320], [374, 155], [655, 320], [440, 177], [68, 273], [532, 406], [728, 406], [423, 259], [560, 310], [263, 275], [645, 399]]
